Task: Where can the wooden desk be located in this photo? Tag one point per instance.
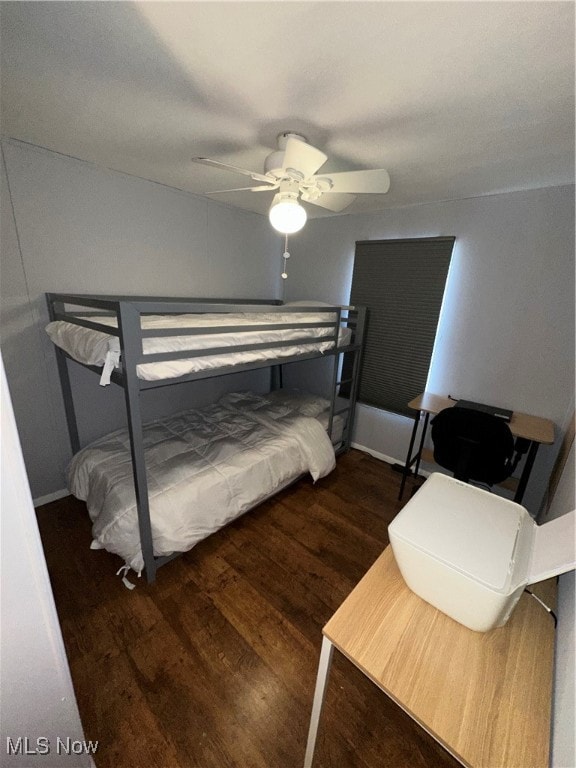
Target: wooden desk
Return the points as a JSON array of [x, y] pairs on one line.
[[486, 697], [533, 429]]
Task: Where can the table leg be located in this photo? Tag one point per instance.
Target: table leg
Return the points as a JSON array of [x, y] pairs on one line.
[[319, 693], [421, 448], [526, 472], [408, 464]]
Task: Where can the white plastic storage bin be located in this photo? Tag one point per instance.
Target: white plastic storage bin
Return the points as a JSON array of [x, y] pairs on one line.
[[470, 553]]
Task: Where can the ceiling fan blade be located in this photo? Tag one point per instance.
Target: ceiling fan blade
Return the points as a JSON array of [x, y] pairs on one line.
[[360, 182], [303, 157], [331, 202], [233, 168], [244, 189]]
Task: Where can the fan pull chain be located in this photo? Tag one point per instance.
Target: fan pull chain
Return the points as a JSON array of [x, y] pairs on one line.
[[285, 256]]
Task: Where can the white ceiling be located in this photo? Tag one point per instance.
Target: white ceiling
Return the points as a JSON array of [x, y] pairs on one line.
[[455, 99]]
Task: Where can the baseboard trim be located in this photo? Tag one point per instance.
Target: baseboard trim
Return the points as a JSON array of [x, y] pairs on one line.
[[387, 459], [41, 500], [377, 454]]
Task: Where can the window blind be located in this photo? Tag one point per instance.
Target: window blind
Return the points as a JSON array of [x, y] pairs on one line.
[[402, 284]]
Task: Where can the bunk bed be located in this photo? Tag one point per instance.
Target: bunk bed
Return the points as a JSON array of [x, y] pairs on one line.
[[141, 343]]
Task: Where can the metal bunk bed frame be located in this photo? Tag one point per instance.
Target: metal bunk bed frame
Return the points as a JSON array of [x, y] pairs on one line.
[[128, 311]]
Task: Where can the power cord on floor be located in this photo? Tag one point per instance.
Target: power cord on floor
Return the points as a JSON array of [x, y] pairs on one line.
[[543, 604]]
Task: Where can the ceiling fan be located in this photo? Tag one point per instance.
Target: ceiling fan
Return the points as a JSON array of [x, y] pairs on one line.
[[292, 169]]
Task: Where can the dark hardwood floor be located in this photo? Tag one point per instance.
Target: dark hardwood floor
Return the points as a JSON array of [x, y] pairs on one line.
[[215, 664]]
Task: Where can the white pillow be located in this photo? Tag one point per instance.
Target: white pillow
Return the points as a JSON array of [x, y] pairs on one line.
[[250, 401], [304, 403]]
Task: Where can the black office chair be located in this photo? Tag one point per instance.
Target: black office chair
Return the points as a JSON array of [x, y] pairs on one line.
[[473, 445]]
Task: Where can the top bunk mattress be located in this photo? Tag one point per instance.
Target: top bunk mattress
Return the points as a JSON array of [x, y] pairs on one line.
[[92, 347]]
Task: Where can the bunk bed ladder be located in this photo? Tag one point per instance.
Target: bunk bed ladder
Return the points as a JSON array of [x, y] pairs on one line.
[[353, 379], [357, 359], [351, 406], [335, 366], [347, 409]]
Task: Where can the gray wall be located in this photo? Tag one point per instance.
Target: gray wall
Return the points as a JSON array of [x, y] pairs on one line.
[[506, 332], [69, 226]]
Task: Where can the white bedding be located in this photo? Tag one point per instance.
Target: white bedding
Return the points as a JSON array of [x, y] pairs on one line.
[[96, 348], [204, 468]]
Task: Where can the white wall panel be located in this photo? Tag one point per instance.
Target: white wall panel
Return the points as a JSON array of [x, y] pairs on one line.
[[39, 715]]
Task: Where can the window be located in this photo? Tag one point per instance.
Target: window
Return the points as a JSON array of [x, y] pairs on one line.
[[402, 284]]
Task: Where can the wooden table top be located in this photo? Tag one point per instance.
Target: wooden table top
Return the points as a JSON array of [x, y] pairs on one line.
[[486, 697], [521, 424]]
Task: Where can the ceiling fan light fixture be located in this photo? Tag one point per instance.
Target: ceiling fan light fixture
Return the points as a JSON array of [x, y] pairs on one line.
[[286, 214], [292, 169]]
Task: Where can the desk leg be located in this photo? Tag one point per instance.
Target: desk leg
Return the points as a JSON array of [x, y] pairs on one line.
[[319, 693], [407, 471], [526, 472], [421, 448]]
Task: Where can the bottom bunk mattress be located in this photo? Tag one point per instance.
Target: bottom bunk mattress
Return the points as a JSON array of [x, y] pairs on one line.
[[204, 468]]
